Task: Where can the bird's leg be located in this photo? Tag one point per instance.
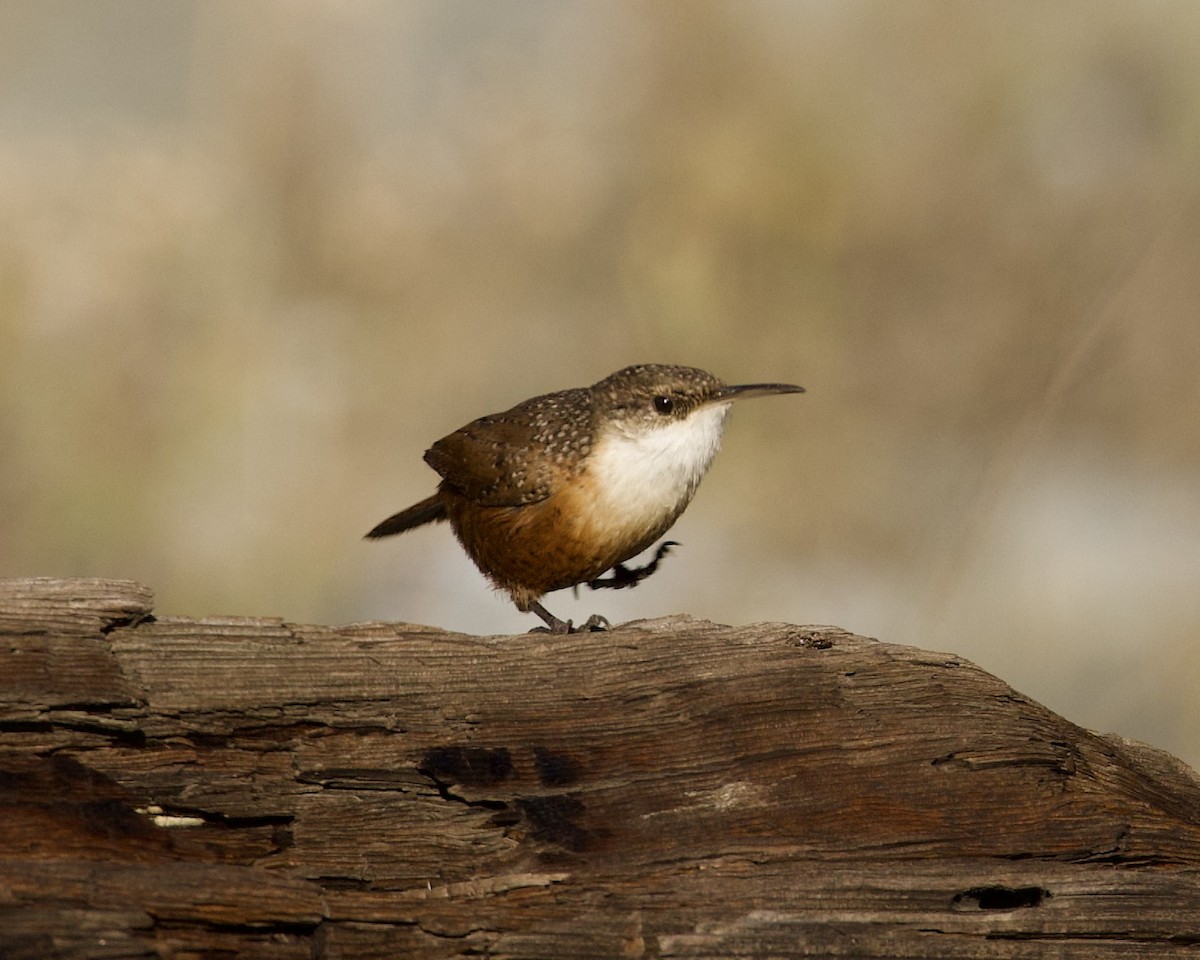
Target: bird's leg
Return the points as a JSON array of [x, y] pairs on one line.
[[623, 576], [554, 625]]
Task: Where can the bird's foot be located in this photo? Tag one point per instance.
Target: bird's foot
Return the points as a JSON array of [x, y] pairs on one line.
[[555, 626], [623, 576]]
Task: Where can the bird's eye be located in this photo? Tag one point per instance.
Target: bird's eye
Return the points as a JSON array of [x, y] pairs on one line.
[[664, 405]]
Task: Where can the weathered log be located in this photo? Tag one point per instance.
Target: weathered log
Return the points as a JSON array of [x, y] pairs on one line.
[[254, 788]]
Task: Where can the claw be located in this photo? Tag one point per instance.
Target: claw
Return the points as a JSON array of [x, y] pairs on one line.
[[555, 626]]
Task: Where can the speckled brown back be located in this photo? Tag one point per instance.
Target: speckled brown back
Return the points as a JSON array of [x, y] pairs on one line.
[[519, 456]]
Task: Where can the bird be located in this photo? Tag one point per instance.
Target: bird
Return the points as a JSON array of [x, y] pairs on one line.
[[565, 486]]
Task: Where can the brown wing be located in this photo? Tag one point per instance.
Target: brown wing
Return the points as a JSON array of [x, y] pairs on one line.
[[519, 456]]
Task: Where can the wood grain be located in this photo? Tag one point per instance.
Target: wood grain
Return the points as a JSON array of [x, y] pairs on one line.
[[674, 788]]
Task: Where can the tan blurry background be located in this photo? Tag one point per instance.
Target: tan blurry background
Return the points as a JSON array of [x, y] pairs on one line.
[[255, 257]]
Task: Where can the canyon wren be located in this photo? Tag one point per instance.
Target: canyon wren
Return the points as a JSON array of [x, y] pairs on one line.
[[565, 486]]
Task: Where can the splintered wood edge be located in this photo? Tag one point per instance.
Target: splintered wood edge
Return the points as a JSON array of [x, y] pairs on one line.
[[79, 597]]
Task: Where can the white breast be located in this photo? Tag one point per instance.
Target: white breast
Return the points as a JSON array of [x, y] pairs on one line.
[[644, 478]]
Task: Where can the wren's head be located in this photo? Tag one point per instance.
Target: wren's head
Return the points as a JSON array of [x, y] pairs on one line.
[[656, 430]]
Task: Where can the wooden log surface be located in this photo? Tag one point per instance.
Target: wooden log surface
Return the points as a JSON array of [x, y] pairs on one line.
[[246, 787]]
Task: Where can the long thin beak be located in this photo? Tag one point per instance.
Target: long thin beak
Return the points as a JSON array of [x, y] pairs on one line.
[[741, 391]]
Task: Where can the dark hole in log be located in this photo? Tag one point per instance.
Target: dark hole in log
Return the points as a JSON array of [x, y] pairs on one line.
[[469, 766], [1001, 898], [555, 769]]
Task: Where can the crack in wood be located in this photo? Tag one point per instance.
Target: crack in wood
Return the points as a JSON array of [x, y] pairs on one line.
[[132, 621]]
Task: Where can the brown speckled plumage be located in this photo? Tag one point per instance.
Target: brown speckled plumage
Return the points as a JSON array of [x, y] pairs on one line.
[[521, 455], [521, 494]]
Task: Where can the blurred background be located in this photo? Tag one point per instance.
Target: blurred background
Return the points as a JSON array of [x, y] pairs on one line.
[[256, 257]]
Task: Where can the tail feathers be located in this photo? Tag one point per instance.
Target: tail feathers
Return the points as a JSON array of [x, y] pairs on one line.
[[429, 510]]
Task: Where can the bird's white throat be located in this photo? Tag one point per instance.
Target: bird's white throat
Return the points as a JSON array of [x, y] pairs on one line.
[[644, 473]]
